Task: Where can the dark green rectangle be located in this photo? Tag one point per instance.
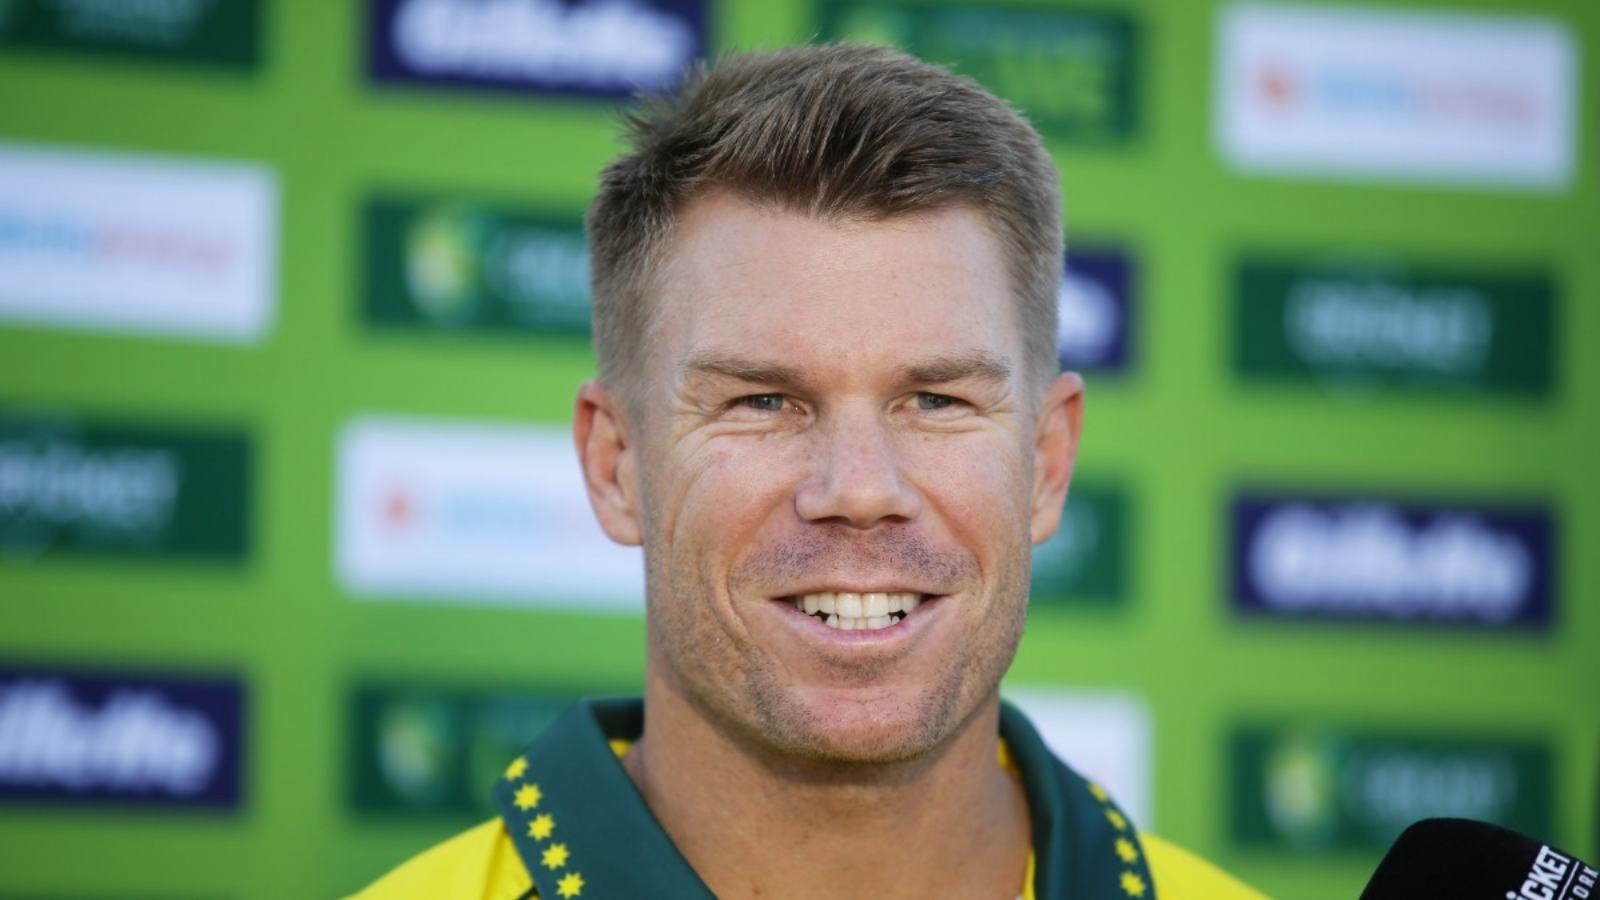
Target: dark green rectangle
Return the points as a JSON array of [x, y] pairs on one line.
[[208, 33], [1327, 790], [1085, 563], [1367, 327], [450, 266], [78, 488], [1073, 72], [419, 750]]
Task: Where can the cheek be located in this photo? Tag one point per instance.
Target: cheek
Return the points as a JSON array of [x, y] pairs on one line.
[[727, 491], [979, 484]]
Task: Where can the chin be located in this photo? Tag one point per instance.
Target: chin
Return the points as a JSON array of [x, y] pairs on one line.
[[861, 726]]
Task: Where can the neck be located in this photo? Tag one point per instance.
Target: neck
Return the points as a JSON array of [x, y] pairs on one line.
[[754, 823]]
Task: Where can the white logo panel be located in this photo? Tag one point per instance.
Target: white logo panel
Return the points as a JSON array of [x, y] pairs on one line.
[[143, 244], [1396, 94], [474, 511]]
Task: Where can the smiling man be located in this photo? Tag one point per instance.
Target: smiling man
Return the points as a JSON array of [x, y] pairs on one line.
[[829, 409]]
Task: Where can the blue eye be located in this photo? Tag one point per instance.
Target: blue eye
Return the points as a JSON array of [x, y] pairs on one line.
[[927, 401], [764, 402]]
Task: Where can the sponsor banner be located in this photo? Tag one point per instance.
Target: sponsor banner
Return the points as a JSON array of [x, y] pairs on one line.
[[431, 750], [210, 33], [1333, 790], [1094, 305], [1085, 563], [1104, 735], [1074, 72], [585, 48], [143, 244], [474, 511], [120, 738], [1376, 560], [1397, 94], [76, 487], [455, 267], [1364, 326]]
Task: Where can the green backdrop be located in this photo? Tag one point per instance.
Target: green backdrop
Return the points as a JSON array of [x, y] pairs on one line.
[[1200, 413]]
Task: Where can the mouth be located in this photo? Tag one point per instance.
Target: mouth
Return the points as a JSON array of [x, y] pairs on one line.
[[848, 611]]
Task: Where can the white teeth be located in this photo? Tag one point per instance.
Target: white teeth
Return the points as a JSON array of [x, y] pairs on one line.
[[848, 611]]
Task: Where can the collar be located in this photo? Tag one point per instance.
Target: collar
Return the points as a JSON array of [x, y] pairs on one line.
[[1085, 846], [583, 830]]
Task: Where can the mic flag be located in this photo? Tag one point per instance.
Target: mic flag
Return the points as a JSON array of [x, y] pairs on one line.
[[1465, 860]]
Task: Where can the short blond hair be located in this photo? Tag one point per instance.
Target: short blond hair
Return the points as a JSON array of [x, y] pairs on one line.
[[846, 131]]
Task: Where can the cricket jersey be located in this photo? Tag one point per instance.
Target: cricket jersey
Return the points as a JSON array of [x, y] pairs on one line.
[[572, 824]]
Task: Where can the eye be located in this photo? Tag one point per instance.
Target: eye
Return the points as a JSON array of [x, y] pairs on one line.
[[763, 402], [933, 402]]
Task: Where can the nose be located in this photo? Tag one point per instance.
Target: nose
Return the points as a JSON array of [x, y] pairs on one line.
[[859, 479]]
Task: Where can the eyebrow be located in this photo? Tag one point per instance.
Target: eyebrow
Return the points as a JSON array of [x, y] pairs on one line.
[[978, 365], [742, 369], [975, 364]]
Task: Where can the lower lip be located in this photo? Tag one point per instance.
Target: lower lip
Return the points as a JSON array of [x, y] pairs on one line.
[[904, 629]]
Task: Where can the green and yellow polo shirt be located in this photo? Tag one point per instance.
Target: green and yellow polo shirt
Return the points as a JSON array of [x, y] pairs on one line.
[[572, 825]]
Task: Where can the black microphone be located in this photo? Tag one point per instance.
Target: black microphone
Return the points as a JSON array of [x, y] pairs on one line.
[[1462, 860]]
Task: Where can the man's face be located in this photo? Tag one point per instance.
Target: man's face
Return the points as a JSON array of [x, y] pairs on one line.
[[832, 412]]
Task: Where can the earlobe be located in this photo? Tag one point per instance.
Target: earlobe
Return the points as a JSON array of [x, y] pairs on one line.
[[1055, 452], [606, 454]]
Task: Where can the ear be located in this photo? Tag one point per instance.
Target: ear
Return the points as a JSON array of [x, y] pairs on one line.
[[1055, 451], [608, 457]]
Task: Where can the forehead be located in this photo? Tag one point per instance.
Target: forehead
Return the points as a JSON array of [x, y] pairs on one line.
[[827, 294]]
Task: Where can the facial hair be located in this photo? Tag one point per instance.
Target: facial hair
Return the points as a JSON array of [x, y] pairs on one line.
[[740, 686]]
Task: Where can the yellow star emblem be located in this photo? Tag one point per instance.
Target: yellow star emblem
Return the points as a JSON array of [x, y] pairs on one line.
[[1098, 792], [1132, 884], [515, 770], [1116, 819], [541, 826], [528, 797], [571, 885], [1125, 849], [555, 856]]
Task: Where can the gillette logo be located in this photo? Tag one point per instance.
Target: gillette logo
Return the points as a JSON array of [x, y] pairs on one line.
[[74, 737], [1379, 559], [595, 48], [1556, 877]]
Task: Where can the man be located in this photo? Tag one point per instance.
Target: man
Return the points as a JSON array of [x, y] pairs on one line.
[[829, 409]]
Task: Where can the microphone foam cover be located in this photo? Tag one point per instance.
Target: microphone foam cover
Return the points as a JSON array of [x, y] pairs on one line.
[[1462, 859]]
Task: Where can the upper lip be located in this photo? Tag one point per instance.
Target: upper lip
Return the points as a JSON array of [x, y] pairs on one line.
[[863, 588]]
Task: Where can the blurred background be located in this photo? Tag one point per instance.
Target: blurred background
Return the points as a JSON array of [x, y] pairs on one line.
[[293, 305]]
